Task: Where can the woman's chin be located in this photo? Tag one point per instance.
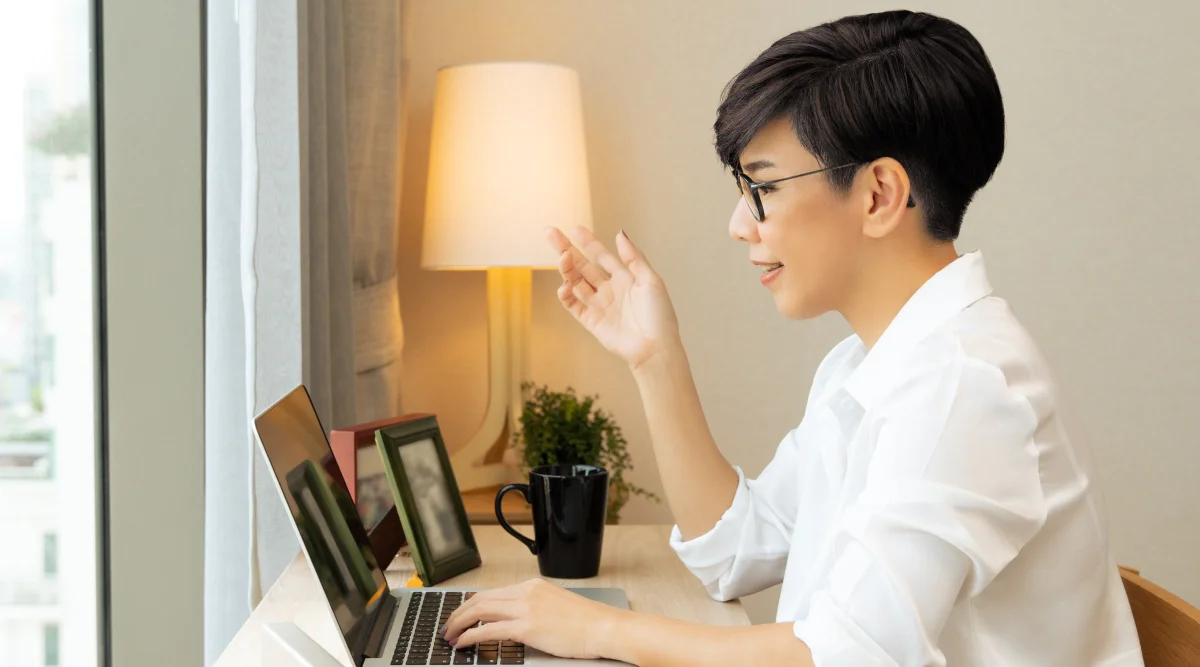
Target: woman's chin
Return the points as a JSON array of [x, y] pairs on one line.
[[795, 307]]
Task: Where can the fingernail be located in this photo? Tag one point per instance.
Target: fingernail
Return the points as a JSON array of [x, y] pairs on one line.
[[442, 630]]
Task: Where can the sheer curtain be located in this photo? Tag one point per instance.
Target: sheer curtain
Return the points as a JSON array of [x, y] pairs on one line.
[[304, 149]]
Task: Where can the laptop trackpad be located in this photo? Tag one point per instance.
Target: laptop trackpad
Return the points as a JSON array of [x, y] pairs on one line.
[[613, 597]]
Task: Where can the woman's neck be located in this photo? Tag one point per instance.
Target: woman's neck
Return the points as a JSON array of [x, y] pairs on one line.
[[887, 283]]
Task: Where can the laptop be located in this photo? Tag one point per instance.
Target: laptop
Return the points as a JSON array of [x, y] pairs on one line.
[[379, 626]]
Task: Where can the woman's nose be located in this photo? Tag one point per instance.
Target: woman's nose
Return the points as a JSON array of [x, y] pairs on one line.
[[742, 225]]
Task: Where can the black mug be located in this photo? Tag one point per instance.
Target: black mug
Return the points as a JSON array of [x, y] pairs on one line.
[[570, 503]]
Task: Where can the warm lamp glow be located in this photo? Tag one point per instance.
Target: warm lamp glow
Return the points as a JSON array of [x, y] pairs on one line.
[[507, 159]]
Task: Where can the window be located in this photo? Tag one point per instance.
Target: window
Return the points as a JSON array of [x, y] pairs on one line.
[[50, 555], [50, 645], [48, 448]]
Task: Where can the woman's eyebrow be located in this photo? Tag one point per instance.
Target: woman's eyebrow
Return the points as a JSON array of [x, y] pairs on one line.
[[756, 165]]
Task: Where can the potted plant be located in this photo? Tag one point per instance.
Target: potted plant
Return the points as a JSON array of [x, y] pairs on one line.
[[557, 427]]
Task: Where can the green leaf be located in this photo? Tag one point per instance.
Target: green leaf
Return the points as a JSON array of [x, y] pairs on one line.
[[561, 428]]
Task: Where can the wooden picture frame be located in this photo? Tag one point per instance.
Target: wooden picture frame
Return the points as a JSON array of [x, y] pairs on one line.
[[428, 499], [351, 446]]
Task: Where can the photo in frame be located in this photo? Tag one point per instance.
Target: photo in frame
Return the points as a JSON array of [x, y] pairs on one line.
[[427, 499], [358, 458]]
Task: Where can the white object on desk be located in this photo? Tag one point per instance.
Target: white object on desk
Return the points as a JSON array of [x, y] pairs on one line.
[[286, 645]]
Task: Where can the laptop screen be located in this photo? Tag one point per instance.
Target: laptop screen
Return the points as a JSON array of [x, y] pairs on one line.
[[325, 517]]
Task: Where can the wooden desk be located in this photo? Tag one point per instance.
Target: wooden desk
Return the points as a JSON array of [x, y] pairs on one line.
[[636, 558], [481, 507]]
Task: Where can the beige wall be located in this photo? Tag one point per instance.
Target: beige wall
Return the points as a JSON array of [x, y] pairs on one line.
[[1089, 229]]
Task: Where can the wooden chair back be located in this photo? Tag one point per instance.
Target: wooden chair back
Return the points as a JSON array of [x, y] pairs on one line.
[[1168, 627]]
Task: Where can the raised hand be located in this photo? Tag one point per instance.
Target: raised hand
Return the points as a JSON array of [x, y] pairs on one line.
[[620, 300]]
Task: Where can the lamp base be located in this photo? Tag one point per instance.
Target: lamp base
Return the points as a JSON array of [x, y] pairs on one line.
[[481, 463]]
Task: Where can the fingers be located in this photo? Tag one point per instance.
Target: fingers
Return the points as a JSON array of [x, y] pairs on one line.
[[483, 597], [586, 272], [596, 251], [567, 296], [574, 266], [633, 257], [583, 291], [557, 239], [581, 278], [464, 618], [489, 632]]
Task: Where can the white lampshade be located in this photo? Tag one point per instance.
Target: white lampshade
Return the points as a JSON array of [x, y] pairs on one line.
[[506, 159]]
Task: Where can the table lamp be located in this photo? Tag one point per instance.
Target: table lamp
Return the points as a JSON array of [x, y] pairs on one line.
[[506, 159]]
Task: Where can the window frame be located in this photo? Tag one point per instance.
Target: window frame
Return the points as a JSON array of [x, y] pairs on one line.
[[148, 95]]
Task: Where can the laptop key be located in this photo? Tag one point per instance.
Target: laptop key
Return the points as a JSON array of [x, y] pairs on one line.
[[464, 658], [506, 660], [440, 660]]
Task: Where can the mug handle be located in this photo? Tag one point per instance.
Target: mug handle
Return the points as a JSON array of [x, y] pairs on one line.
[[524, 489]]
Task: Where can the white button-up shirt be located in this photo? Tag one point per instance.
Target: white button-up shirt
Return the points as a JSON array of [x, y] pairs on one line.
[[933, 507]]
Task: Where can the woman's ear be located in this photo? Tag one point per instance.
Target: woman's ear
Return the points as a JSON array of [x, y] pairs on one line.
[[886, 196]]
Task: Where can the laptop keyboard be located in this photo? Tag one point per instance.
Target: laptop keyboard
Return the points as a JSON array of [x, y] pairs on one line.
[[420, 645]]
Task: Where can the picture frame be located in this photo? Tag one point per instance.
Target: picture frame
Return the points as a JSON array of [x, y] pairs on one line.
[[428, 500], [358, 458]]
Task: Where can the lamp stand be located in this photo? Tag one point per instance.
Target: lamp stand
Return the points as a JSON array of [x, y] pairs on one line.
[[480, 463]]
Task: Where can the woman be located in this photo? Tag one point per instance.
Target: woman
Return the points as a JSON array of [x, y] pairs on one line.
[[933, 507]]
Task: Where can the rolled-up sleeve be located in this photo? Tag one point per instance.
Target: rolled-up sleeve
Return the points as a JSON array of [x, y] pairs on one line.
[[747, 550], [952, 494]]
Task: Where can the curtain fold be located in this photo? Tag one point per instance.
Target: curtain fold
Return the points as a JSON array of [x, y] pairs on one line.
[[304, 147], [375, 137]]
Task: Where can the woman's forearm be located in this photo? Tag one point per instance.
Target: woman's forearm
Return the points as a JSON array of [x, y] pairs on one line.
[[657, 641], [699, 482]]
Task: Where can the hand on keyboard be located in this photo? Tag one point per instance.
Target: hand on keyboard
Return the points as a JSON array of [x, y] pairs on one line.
[[535, 613], [420, 645]]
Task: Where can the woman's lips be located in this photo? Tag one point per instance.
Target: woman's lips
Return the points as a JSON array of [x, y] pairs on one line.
[[768, 276]]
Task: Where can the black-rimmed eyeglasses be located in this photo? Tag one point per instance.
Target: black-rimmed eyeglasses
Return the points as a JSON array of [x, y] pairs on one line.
[[750, 189]]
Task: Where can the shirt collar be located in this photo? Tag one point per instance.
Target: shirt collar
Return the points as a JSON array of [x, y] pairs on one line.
[[958, 285]]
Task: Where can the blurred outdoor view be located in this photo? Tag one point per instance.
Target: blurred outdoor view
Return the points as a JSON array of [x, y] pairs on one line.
[[48, 511]]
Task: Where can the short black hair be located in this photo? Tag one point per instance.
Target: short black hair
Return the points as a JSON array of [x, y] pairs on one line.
[[907, 85]]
